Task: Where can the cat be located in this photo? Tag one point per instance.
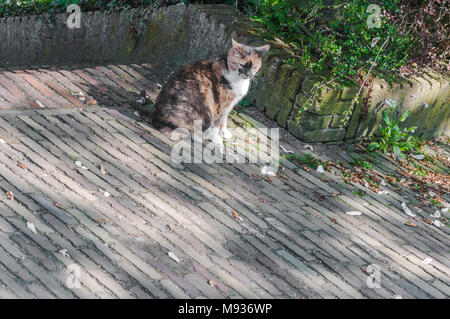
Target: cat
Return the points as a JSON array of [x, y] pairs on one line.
[[207, 91]]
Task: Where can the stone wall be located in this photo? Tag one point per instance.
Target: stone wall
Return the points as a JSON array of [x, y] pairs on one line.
[[169, 37]]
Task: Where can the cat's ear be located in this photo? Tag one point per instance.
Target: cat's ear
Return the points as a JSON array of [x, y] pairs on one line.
[[236, 45], [236, 48], [263, 49]]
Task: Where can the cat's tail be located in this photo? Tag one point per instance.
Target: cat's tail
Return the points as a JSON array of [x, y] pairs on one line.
[[144, 107]]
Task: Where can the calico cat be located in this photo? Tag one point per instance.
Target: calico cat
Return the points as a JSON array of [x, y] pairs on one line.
[[207, 91]]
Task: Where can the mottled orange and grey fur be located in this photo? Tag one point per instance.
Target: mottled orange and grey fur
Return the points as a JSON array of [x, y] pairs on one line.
[[207, 90]]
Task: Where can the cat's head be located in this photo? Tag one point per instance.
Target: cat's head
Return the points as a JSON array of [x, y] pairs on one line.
[[245, 60]]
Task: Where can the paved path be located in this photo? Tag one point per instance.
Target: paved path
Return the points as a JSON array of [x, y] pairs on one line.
[[92, 206]]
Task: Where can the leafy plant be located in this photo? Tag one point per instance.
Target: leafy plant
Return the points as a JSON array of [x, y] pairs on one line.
[[393, 138], [305, 159], [363, 163]]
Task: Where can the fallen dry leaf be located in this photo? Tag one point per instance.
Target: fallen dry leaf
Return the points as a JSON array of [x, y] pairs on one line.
[[334, 220], [236, 215], [59, 206], [410, 224], [306, 168], [91, 102], [10, 195], [100, 221], [428, 221], [212, 283], [262, 200], [21, 165], [102, 169], [170, 226]]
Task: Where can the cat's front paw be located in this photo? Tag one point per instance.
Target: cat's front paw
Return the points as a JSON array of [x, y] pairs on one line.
[[217, 139], [226, 134]]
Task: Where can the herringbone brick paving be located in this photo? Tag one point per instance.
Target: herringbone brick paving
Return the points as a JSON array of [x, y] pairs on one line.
[[104, 196]]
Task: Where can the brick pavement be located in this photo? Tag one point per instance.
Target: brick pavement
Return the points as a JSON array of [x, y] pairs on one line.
[[105, 199]]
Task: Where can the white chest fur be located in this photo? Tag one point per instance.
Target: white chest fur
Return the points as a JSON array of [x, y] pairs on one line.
[[238, 85]]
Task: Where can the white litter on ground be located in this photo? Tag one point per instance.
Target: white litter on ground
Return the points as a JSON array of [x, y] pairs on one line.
[[173, 256], [40, 104], [285, 150], [64, 253], [354, 213], [407, 210], [437, 214], [418, 157], [31, 227]]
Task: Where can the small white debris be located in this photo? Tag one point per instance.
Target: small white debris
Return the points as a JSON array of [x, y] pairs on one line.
[[401, 181], [136, 113], [414, 96], [31, 227], [390, 102], [158, 85], [437, 214], [79, 164], [432, 194], [407, 210], [383, 182], [40, 104], [266, 171], [383, 192], [104, 193], [309, 146], [425, 105], [444, 210], [81, 96], [141, 100], [437, 223], [427, 260], [285, 150], [354, 213], [320, 169], [173, 256], [2, 140], [398, 297], [418, 157], [64, 253]]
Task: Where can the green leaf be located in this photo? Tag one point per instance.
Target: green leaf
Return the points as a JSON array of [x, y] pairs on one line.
[[386, 118], [373, 146], [404, 116]]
